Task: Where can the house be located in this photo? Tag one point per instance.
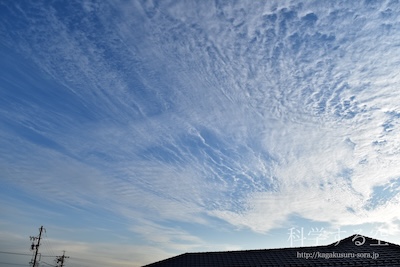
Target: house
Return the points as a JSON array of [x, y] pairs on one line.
[[355, 250]]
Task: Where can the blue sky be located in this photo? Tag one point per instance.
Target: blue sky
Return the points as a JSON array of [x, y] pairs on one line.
[[134, 131]]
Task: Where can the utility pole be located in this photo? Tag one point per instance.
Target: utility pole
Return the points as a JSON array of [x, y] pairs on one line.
[[60, 259], [36, 247]]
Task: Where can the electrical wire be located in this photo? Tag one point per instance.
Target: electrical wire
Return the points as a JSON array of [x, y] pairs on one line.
[[48, 244], [24, 254], [8, 263], [48, 263], [77, 263], [46, 248], [15, 253]]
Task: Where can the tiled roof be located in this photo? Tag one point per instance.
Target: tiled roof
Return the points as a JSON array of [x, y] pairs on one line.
[[356, 250]]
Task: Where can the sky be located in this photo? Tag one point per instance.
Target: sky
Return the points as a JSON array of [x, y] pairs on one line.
[[134, 131]]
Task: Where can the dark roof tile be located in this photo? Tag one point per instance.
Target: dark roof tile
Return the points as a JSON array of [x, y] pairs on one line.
[[355, 250]]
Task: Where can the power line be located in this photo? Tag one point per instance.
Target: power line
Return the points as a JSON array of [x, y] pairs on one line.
[[12, 263], [48, 264], [78, 263], [47, 247], [47, 240], [15, 253], [24, 254]]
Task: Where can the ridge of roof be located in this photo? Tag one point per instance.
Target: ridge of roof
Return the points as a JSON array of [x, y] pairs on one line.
[[367, 238], [348, 239], [264, 249]]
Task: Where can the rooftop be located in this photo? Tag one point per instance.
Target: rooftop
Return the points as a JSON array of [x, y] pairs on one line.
[[355, 250]]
